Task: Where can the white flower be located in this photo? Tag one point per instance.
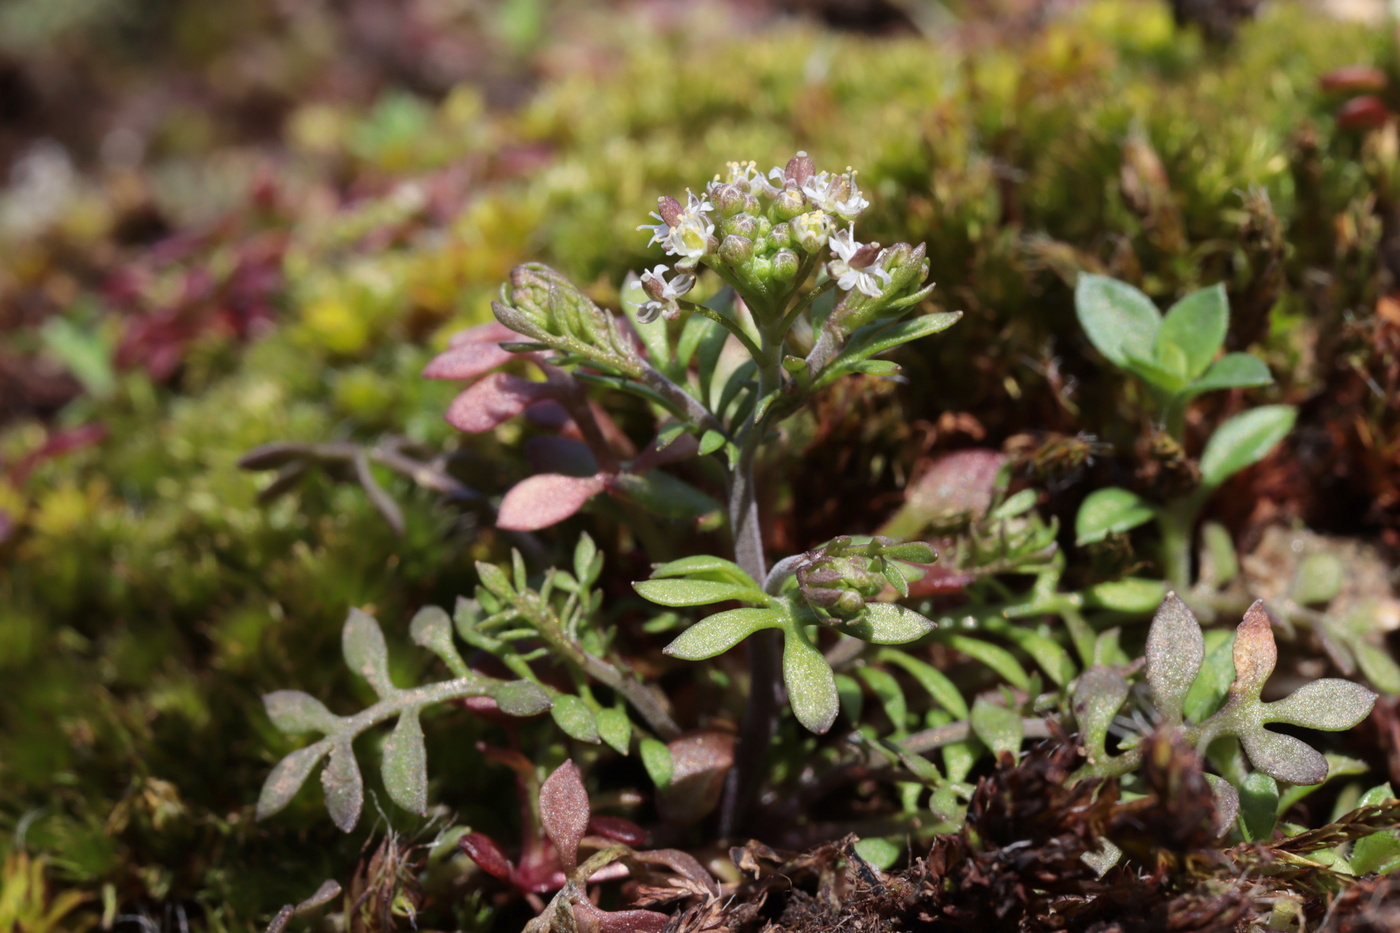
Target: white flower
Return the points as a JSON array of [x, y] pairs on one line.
[[836, 194], [665, 295], [689, 237], [867, 278], [811, 230]]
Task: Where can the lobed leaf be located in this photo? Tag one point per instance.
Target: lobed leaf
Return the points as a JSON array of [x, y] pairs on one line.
[[405, 764], [362, 643], [288, 777], [718, 633], [343, 786], [564, 812], [1176, 649], [294, 712]]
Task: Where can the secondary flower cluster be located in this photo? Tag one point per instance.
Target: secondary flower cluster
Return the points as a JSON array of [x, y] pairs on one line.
[[764, 235]]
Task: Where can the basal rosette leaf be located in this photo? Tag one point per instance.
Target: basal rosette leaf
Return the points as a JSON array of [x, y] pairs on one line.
[[1175, 651]]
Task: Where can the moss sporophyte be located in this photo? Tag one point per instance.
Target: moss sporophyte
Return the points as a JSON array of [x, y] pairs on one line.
[[793, 302]]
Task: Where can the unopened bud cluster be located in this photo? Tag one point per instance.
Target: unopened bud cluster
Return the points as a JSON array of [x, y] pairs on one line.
[[764, 235], [838, 579]]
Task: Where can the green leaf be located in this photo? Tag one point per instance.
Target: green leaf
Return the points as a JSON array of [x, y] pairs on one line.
[[711, 441], [1330, 704], [405, 764], [697, 592], [288, 777], [1098, 696], [1377, 665], [521, 698], [1053, 659], [994, 656], [656, 758], [852, 697], [877, 338], [432, 629], [1233, 371], [1219, 554], [1243, 441], [943, 691], [343, 786], [294, 712], [1318, 579], [1019, 504], [706, 566], [588, 563], [891, 697], [718, 633], [1380, 851], [573, 716], [494, 579], [1155, 373], [1110, 511], [879, 851], [1195, 326], [1258, 807], [653, 334], [1130, 594], [1208, 691], [615, 728], [362, 643], [1176, 649], [997, 727], [889, 624], [810, 682], [1118, 319]]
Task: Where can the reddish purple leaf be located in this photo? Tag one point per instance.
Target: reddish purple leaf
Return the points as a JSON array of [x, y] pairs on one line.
[[1354, 78], [596, 920], [700, 764], [545, 500], [466, 361], [490, 332], [683, 864], [1363, 113], [493, 401], [959, 482], [682, 448], [564, 812], [484, 851], [617, 829]]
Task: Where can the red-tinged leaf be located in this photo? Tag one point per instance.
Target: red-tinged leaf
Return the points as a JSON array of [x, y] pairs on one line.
[[617, 829], [1363, 113], [938, 580], [490, 332], [1354, 78], [1255, 652], [545, 500], [682, 448], [484, 851], [564, 812], [466, 361], [492, 401], [596, 920], [683, 864], [700, 762]]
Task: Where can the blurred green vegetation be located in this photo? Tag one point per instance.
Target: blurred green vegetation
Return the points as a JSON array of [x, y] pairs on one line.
[[239, 285]]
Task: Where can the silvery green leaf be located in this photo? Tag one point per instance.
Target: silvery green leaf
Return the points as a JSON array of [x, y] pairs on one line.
[[1283, 757], [718, 633], [697, 592], [1244, 440], [405, 764], [810, 682], [432, 629], [1098, 696], [362, 643], [1330, 704], [288, 777], [889, 624], [615, 728], [1196, 326], [1130, 594], [521, 698], [1318, 579], [1117, 318], [705, 566], [1103, 859], [494, 579], [294, 712], [1258, 807], [999, 728], [891, 697], [656, 758], [1175, 650], [1110, 511], [1227, 803], [573, 716], [343, 786]]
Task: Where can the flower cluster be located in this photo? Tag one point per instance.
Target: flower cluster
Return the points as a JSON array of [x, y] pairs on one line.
[[764, 234]]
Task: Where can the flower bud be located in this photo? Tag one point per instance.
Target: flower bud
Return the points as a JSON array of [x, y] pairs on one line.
[[736, 250], [670, 209], [800, 168], [811, 231], [745, 225], [786, 265], [781, 237], [729, 199], [788, 205]]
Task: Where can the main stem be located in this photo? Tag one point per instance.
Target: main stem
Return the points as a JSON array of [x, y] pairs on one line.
[[765, 648]]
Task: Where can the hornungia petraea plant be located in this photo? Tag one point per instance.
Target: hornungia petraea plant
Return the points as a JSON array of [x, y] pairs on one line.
[[794, 303]]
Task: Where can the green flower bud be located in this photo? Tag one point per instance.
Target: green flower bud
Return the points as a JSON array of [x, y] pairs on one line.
[[744, 225], [788, 205], [781, 237], [786, 265], [736, 250]]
